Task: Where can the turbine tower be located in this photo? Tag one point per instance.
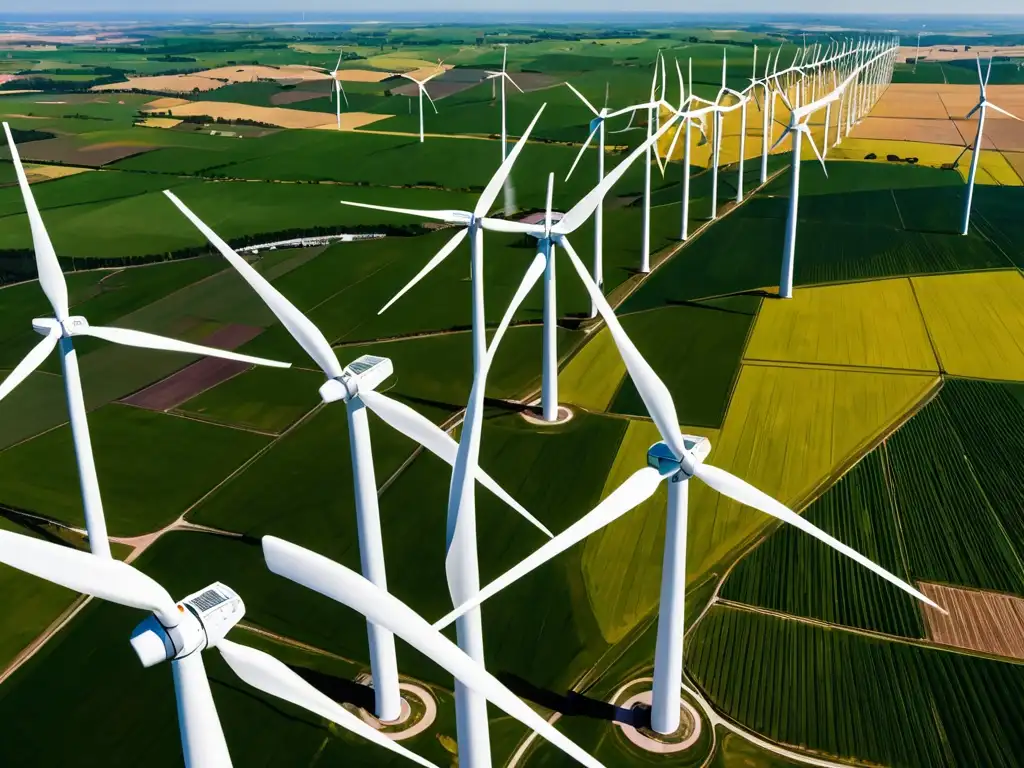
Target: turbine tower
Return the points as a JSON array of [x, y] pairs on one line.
[[981, 108], [59, 331], [677, 459], [355, 384]]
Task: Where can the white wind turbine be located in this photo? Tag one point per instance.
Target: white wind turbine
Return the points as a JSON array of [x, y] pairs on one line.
[[470, 223], [355, 384], [798, 128], [981, 108], [504, 76], [338, 93], [677, 459], [688, 119], [461, 564], [421, 85], [653, 113], [347, 587], [59, 331], [179, 632], [462, 570], [597, 126]]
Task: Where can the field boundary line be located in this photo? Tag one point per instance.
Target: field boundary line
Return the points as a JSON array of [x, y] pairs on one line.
[[765, 363], [37, 644]]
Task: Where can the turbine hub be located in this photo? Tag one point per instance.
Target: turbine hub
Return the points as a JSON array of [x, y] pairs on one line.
[[205, 618], [74, 325], [662, 458], [362, 374]]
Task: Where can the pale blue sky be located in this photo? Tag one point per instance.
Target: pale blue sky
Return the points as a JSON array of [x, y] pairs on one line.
[[289, 8]]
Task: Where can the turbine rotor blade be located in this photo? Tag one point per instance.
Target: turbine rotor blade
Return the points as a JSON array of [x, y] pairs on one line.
[[297, 324], [130, 338], [583, 99], [448, 216], [494, 186], [513, 227], [379, 607], [633, 492], [438, 257], [422, 430], [652, 390], [741, 491], [100, 577], [51, 277], [30, 362], [810, 139], [579, 155], [990, 105], [265, 673]]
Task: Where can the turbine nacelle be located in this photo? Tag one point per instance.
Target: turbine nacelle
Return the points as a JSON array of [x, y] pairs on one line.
[[661, 457], [206, 617], [361, 375]]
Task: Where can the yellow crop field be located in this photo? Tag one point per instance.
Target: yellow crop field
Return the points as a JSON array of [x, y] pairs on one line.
[[36, 172], [1016, 161], [993, 168], [622, 562], [594, 374], [976, 322], [926, 153], [279, 116], [361, 76], [159, 122], [398, 63], [787, 430], [872, 324]]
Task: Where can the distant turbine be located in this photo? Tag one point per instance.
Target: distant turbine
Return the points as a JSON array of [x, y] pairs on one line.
[[798, 129], [355, 384], [422, 86], [676, 459], [349, 588], [470, 223], [981, 108], [338, 91], [503, 76], [653, 113], [179, 633], [686, 116], [597, 126], [59, 331]]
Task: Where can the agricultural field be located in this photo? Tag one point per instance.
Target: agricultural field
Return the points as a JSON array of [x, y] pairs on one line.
[[884, 402]]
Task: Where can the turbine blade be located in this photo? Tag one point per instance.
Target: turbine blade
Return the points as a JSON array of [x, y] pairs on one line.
[[583, 99], [990, 105], [682, 86], [651, 389], [51, 278], [130, 338], [681, 128], [202, 739], [422, 430], [817, 153], [297, 324], [583, 149], [341, 90], [265, 673], [988, 72], [440, 256], [383, 609], [30, 362], [509, 78], [100, 577], [781, 138], [741, 491], [427, 94], [494, 186], [513, 227], [338, 65], [633, 492], [580, 212], [447, 216]]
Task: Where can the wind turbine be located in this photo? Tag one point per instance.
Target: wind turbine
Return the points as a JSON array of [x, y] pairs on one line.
[[179, 632], [470, 223], [347, 587], [422, 86], [597, 126], [798, 129], [58, 331], [338, 91], [686, 123], [676, 459], [503, 75], [981, 108], [355, 384], [716, 132], [653, 112]]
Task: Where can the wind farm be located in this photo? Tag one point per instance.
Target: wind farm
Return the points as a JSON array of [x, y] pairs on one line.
[[651, 396]]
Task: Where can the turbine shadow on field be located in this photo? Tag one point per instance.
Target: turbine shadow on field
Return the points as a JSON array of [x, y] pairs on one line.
[[574, 704], [41, 526], [713, 308]]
